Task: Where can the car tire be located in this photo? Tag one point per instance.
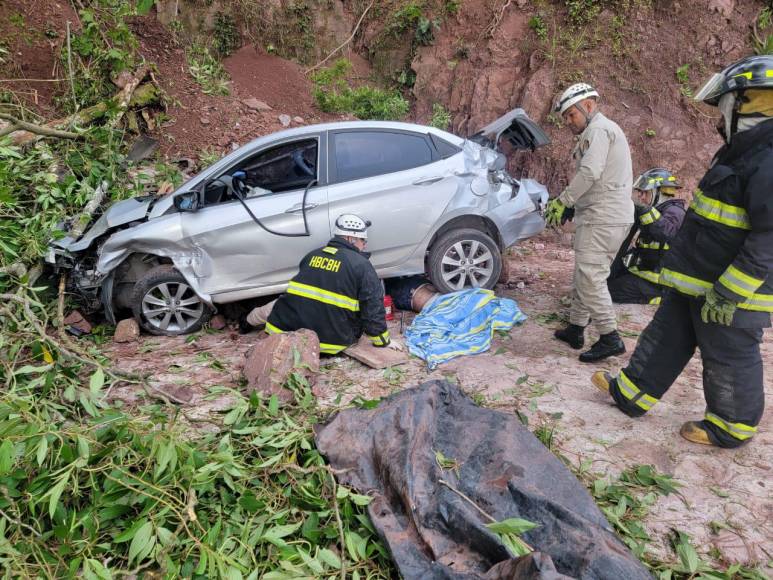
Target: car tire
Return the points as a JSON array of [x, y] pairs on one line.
[[464, 258], [164, 303]]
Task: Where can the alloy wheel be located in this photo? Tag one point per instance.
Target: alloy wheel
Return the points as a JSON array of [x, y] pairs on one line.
[[172, 307], [467, 263]]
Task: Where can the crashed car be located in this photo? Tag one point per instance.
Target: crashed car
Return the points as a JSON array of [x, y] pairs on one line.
[[440, 204]]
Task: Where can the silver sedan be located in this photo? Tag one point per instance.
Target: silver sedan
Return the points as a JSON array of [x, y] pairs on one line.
[[440, 204]]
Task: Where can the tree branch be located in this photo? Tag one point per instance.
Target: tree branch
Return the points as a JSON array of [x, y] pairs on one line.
[[19, 125]]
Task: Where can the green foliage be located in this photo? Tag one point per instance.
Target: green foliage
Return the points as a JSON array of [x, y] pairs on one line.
[[102, 48], [650, 132], [441, 118], [537, 24], [207, 70], [581, 12], [451, 7], [762, 35], [102, 492], [334, 95], [509, 531], [683, 77], [225, 39], [410, 16]]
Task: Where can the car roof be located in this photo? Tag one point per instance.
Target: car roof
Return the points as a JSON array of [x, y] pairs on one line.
[[339, 125]]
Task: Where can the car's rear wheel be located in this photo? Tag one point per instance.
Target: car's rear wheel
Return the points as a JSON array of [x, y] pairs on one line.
[[164, 303], [464, 258]]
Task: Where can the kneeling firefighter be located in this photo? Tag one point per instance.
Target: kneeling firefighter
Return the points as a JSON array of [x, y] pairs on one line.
[[659, 215], [336, 293], [720, 271]]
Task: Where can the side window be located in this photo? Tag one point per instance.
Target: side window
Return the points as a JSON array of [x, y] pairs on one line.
[[360, 154], [285, 167]]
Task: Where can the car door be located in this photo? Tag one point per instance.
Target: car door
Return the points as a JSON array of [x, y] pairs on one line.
[[237, 256], [396, 179]]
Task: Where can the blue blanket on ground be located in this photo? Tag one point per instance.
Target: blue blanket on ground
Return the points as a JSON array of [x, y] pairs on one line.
[[460, 323]]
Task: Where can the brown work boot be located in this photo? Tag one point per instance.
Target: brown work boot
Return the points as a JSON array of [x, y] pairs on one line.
[[573, 335], [602, 381], [695, 432]]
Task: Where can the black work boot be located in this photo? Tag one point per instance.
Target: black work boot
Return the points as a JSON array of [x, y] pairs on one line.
[[244, 326], [573, 335], [607, 345]]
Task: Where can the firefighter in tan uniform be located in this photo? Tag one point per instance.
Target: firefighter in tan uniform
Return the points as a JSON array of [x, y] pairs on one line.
[[600, 195]]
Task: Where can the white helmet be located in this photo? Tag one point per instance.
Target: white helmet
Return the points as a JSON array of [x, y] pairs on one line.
[[573, 95], [351, 225]]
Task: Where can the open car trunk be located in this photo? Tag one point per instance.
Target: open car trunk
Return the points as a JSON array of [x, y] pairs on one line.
[[516, 127]]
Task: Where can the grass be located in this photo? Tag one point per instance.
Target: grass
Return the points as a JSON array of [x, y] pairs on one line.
[[207, 70]]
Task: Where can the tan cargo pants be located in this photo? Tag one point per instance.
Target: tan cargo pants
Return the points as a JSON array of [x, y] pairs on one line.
[[258, 316], [595, 246]]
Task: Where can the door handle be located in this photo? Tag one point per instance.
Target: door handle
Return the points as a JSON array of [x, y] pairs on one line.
[[428, 180], [299, 207]]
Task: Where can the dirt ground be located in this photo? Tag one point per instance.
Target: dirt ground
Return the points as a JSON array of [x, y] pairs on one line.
[[530, 372]]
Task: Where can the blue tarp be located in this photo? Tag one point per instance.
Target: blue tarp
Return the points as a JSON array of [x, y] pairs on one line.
[[460, 323]]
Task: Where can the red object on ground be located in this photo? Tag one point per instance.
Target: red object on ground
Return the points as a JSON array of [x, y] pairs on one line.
[[390, 314]]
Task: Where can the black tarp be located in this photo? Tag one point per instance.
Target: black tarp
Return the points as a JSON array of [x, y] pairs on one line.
[[389, 452]]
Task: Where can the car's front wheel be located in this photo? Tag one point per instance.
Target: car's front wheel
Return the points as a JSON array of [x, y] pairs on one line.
[[464, 258], [164, 303]]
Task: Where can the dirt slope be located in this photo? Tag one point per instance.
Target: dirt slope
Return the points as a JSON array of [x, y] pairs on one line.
[[631, 56]]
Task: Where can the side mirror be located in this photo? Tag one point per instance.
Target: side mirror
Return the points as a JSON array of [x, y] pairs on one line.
[[187, 201]]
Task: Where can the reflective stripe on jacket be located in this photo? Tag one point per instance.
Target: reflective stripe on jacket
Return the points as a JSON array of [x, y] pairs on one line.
[[726, 241], [338, 295], [662, 224]]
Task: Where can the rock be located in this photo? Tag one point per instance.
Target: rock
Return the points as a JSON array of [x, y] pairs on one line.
[[122, 79], [521, 285], [539, 246], [256, 105], [298, 120], [217, 322], [285, 120], [127, 330], [271, 361], [204, 121], [76, 320], [723, 7]]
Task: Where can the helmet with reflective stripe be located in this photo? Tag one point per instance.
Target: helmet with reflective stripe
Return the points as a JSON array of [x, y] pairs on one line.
[[351, 225], [752, 72], [574, 95], [656, 178]]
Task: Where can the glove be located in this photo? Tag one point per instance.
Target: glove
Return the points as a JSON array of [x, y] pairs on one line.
[[717, 309], [554, 212], [395, 344], [568, 215]]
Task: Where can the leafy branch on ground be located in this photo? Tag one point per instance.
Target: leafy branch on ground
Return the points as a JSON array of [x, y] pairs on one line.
[[207, 71]]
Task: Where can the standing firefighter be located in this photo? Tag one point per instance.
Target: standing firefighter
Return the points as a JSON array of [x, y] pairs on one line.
[[336, 293], [600, 194], [659, 216], [719, 268]]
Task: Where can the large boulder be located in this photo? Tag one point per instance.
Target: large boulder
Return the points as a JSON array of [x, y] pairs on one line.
[[271, 361]]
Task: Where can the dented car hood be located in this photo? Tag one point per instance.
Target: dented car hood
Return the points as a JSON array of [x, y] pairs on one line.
[[118, 214]]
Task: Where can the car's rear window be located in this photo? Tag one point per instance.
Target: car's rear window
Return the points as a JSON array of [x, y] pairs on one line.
[[444, 148], [360, 154]]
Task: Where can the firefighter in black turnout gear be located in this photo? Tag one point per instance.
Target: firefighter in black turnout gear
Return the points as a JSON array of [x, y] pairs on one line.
[[336, 293], [659, 215], [720, 273]]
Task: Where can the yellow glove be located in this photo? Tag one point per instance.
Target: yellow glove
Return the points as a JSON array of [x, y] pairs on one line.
[[554, 212], [717, 309]]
